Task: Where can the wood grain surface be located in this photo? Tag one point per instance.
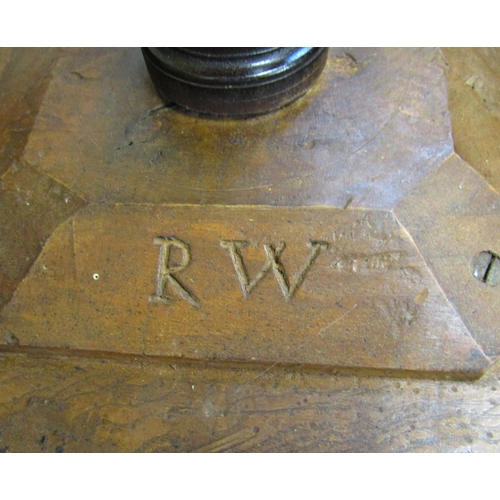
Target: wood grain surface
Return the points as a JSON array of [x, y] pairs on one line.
[[368, 301], [64, 400], [90, 405]]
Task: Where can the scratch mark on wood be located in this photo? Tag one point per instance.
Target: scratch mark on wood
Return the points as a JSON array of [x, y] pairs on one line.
[[318, 334]]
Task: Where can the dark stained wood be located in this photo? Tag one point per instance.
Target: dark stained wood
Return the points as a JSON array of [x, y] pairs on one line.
[[69, 400]]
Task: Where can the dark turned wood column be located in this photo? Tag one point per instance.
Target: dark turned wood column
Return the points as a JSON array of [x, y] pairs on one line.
[[234, 81]]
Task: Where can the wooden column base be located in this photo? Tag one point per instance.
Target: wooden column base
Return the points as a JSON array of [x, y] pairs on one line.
[[330, 246]]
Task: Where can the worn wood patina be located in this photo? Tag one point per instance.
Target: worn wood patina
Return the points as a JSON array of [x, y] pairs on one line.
[[305, 280]]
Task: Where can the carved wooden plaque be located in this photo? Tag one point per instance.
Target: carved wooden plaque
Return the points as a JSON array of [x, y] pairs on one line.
[[331, 233], [316, 286]]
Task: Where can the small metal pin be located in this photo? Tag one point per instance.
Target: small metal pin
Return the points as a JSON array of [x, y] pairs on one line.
[[485, 268]]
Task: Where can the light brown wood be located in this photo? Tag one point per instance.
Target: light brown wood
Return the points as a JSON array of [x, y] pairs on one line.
[[57, 397], [361, 300], [90, 405], [361, 139]]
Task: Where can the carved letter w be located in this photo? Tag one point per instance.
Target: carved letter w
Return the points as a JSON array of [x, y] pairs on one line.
[[273, 261]]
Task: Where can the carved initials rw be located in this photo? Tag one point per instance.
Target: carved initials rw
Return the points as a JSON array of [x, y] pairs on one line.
[[166, 270], [273, 262]]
